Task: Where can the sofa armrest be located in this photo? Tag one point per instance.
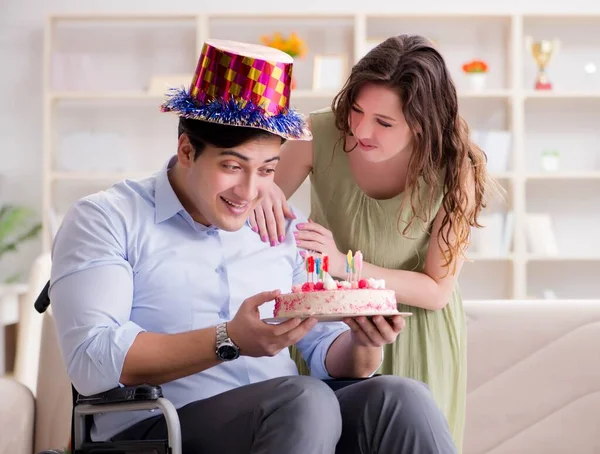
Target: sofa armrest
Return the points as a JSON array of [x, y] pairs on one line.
[[16, 418]]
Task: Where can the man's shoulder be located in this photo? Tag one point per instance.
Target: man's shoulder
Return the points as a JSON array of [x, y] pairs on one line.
[[125, 199], [300, 218]]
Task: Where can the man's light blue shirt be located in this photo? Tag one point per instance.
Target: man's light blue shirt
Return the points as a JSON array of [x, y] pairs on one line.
[[131, 259]]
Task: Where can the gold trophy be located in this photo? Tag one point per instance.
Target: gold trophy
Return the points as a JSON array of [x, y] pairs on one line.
[[542, 51]]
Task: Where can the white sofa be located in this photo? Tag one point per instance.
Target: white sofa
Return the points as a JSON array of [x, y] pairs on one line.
[[534, 383], [534, 377]]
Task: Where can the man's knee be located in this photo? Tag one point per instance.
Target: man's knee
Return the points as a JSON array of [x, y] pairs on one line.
[[405, 394], [398, 386], [310, 402]]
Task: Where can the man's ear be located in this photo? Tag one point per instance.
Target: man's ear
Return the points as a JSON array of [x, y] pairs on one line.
[[185, 151]]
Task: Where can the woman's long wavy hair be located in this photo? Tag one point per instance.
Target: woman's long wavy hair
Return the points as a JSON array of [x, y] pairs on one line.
[[412, 67]]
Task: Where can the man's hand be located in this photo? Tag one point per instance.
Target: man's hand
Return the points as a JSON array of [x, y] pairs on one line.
[[257, 338], [376, 332]]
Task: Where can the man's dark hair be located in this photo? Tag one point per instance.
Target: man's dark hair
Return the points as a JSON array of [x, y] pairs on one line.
[[203, 133]]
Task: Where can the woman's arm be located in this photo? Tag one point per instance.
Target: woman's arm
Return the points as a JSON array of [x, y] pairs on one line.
[[432, 288]]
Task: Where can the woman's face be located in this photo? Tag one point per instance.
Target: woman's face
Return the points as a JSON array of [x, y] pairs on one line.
[[378, 124]]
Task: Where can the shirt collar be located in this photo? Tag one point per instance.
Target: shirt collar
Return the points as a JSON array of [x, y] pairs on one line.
[[167, 204]]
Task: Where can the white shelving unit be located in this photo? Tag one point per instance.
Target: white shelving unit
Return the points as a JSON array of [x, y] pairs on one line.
[[102, 124]]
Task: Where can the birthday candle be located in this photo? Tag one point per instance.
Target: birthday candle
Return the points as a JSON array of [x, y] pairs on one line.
[[318, 268], [358, 263], [326, 263], [306, 267], [311, 265], [349, 265]]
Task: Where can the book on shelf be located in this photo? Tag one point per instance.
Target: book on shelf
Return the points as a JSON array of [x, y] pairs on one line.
[[540, 236], [494, 239]]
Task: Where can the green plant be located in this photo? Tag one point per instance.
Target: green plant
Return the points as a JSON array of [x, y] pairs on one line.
[[16, 227]]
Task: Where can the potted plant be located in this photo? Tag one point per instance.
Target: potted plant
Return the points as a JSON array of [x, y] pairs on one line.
[[476, 72], [16, 227], [550, 160], [292, 45]]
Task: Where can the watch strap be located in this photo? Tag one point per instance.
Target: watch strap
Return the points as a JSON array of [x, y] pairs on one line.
[[221, 333]]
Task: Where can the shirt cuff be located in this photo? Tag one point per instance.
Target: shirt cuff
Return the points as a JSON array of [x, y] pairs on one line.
[[317, 366], [380, 363]]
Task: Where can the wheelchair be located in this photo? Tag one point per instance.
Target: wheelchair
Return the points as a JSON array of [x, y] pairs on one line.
[[129, 398]]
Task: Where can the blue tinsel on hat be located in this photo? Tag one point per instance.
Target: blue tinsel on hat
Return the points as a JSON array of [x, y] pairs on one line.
[[289, 124]]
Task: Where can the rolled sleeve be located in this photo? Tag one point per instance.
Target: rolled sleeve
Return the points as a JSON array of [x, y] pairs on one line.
[[315, 345], [92, 293]]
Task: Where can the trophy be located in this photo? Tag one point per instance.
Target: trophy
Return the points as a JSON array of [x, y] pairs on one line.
[[542, 52]]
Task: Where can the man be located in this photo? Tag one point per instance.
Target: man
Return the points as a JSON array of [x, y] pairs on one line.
[[162, 281]]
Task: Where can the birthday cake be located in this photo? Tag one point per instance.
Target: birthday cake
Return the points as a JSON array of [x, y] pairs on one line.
[[322, 295]]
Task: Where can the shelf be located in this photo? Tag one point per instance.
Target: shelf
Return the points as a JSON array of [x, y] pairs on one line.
[[488, 94], [582, 175], [122, 17], [99, 176], [503, 175], [261, 14], [532, 94], [450, 15], [489, 258], [133, 95], [312, 94], [101, 95], [563, 258]]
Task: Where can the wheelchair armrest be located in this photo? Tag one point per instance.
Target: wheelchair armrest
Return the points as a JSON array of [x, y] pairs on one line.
[[138, 393], [128, 398]]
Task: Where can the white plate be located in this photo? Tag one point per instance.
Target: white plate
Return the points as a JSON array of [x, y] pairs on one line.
[[336, 317]]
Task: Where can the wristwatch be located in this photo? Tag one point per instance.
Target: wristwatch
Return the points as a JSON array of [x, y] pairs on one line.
[[226, 349]]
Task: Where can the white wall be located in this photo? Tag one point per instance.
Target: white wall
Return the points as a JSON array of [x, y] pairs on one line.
[[21, 25]]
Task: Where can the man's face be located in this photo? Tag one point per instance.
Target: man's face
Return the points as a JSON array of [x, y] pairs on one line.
[[223, 186]]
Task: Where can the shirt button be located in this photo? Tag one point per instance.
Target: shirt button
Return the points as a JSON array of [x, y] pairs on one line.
[[212, 232], [223, 315], [220, 270]]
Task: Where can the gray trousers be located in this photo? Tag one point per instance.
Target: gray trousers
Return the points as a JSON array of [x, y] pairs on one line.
[[302, 415]]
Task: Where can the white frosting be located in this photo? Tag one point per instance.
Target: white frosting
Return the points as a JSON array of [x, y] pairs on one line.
[[345, 284], [328, 282], [376, 283]]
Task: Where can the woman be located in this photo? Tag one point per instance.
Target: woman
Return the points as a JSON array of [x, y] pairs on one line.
[[394, 175]]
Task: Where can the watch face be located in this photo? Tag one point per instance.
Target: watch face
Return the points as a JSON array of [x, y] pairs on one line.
[[227, 352]]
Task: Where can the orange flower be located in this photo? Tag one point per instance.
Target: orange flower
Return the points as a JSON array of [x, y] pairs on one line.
[[292, 45], [475, 66]]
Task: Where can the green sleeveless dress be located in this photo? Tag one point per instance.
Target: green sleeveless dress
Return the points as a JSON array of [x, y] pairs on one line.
[[432, 346]]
